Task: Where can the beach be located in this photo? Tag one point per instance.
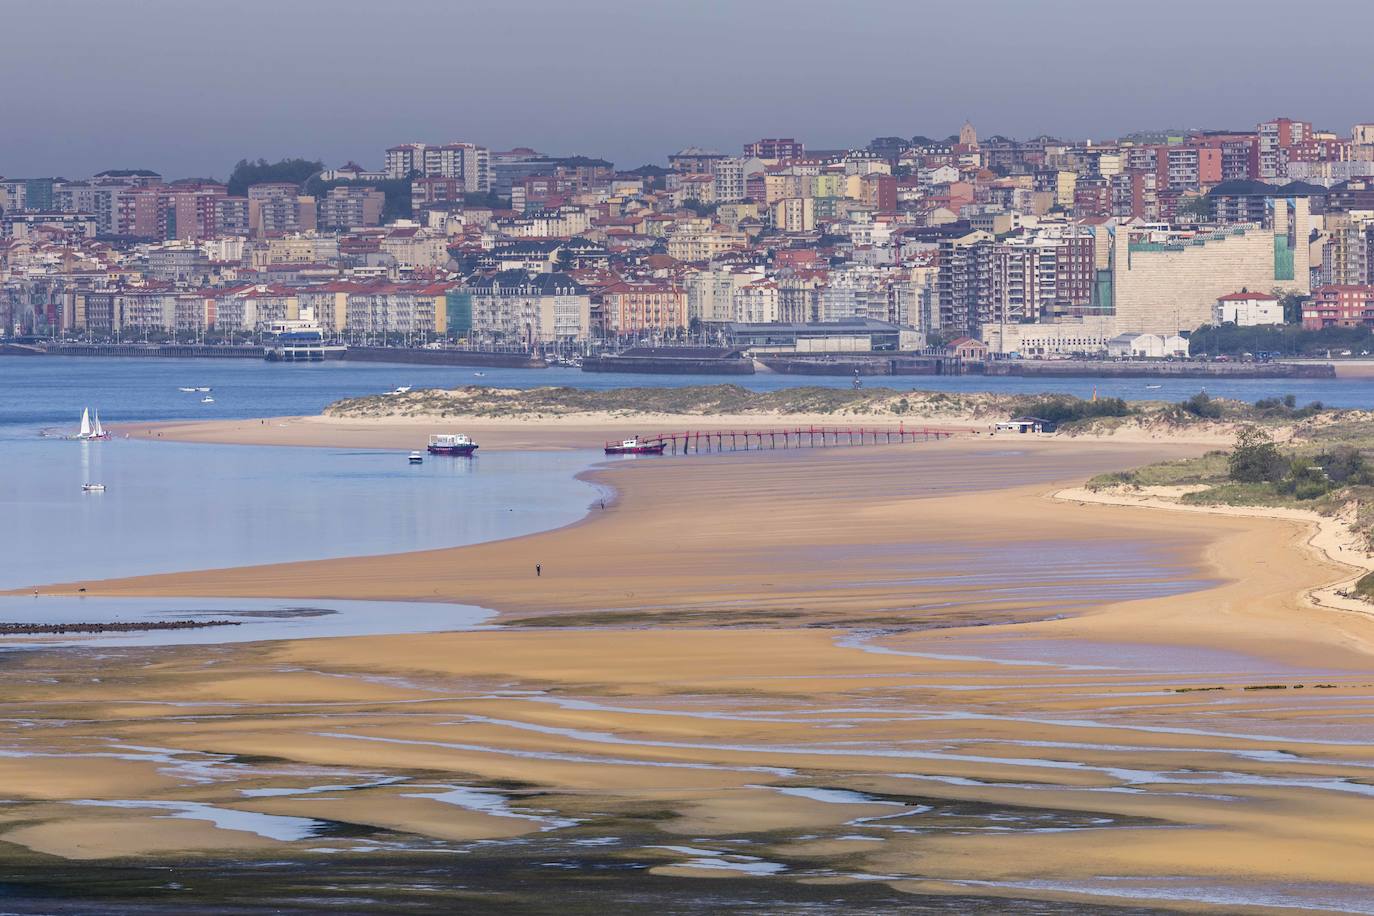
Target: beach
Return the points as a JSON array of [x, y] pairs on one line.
[[905, 667]]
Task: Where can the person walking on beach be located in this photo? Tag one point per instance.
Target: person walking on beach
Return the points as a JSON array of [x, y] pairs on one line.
[[538, 570]]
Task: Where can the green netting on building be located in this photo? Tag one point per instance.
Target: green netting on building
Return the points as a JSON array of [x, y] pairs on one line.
[[458, 309], [1283, 258], [1156, 246], [1103, 299]]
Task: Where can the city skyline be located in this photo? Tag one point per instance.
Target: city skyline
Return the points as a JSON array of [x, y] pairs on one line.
[[153, 85]]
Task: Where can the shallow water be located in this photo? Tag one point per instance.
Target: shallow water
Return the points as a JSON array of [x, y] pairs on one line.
[[174, 506], [278, 827], [258, 619]]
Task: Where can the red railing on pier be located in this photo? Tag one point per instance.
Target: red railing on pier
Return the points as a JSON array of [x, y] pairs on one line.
[[716, 440]]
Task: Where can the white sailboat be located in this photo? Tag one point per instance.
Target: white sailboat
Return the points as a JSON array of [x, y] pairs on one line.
[[91, 430]]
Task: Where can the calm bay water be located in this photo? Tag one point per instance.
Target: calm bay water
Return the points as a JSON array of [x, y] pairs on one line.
[[175, 506], [45, 391]]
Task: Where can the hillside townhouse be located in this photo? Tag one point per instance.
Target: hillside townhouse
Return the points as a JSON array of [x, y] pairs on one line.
[[694, 243], [413, 246]]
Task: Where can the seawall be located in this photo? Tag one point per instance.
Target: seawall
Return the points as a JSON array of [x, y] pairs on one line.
[[1105, 369]]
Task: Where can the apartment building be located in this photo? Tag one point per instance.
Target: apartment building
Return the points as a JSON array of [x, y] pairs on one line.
[[277, 208], [1339, 306], [350, 207], [467, 162], [636, 307], [383, 309], [775, 148], [404, 160], [520, 307], [1276, 139]]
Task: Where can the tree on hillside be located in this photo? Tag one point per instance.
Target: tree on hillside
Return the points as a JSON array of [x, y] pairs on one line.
[[246, 173], [1256, 458]]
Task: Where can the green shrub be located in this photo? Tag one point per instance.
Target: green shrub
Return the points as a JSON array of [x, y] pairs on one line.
[[1305, 480], [1345, 465], [1202, 405], [1255, 459], [1069, 410]]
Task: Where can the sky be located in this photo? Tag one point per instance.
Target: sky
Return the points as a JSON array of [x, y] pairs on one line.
[[188, 88]]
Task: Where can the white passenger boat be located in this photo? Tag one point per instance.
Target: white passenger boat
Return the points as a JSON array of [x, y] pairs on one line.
[[451, 444], [93, 488]]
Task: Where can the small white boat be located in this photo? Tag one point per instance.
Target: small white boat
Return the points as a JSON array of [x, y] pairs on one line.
[[207, 400], [479, 375], [401, 390], [93, 488], [203, 389], [187, 390], [1152, 387], [417, 458]]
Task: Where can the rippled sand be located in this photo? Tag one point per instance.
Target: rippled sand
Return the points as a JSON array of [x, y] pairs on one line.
[[826, 675]]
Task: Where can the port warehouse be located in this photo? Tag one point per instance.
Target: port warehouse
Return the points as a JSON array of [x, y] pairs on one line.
[[854, 335]]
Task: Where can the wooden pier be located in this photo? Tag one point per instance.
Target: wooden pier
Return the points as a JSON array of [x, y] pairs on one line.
[[700, 441]]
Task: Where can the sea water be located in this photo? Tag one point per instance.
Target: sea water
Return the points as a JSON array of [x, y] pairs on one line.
[[171, 506], [42, 390]]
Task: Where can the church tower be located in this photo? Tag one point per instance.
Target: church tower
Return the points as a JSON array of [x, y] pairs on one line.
[[968, 137]]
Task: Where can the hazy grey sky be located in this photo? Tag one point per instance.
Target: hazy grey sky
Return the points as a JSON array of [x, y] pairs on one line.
[[189, 87]]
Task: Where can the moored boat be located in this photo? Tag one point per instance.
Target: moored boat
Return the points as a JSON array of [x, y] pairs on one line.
[[93, 488], [451, 444], [635, 446], [416, 458]]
